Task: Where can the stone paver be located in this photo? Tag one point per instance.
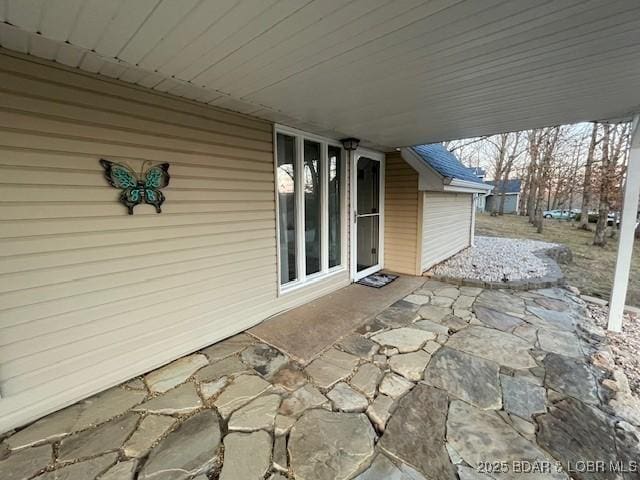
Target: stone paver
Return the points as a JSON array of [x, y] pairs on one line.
[[480, 436], [500, 347], [571, 376], [226, 367], [121, 471], [331, 367], [149, 431], [228, 347], [330, 446], [449, 292], [191, 449], [384, 469], [521, 397], [521, 377], [280, 461], [87, 470], [366, 379], [212, 389], [25, 463], [404, 339], [175, 373], [302, 399], [289, 377], [501, 301], [496, 319], [394, 385], [180, 400], [410, 365], [243, 389], [415, 434], [553, 320], [283, 424], [380, 410], [470, 291], [359, 346], [465, 376], [92, 411], [264, 359], [258, 414], [107, 437], [433, 313], [563, 343], [238, 464], [573, 431], [417, 299], [431, 347], [434, 327], [346, 399], [439, 301], [397, 317]]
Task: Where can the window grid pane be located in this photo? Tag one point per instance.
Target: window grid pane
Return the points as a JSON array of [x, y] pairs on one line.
[[334, 170], [286, 146], [312, 207]]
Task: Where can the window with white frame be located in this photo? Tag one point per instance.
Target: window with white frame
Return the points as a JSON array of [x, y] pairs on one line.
[[310, 198]]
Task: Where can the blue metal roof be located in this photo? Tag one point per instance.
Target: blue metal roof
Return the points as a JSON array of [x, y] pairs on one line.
[[444, 162], [511, 186]]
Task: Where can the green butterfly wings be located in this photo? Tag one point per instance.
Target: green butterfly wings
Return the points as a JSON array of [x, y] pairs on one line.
[[137, 190]]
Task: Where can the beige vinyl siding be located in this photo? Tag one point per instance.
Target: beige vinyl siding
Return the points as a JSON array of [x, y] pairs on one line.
[[446, 226], [91, 296], [401, 207]]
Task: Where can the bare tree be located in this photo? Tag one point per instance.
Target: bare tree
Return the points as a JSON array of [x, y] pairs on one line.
[[535, 140], [507, 171], [551, 141], [586, 183]]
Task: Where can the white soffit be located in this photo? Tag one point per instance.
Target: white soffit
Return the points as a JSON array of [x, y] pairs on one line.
[[393, 73]]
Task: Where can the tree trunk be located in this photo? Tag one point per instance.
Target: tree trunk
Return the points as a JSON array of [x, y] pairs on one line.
[[600, 237], [586, 184], [551, 141], [507, 172], [499, 187], [534, 153]]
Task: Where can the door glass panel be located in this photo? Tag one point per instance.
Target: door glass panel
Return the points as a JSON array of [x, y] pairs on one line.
[[368, 186], [334, 199], [368, 221], [367, 242], [312, 206], [287, 207]]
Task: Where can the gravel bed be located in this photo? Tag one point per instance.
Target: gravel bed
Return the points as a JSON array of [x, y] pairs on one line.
[[494, 259], [625, 345]]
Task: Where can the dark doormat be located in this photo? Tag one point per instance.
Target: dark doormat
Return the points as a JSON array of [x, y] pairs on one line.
[[377, 280]]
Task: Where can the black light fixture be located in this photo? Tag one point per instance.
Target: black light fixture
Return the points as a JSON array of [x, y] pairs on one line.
[[350, 143]]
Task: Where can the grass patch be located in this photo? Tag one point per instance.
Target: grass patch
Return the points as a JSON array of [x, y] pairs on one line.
[[592, 268]]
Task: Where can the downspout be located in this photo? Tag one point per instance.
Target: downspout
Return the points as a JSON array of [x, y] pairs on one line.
[[627, 231]]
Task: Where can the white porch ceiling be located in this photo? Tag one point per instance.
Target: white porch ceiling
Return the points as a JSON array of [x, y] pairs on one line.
[[393, 73]]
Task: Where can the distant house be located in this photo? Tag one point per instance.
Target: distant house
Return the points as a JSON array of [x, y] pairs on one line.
[[481, 199], [512, 190]]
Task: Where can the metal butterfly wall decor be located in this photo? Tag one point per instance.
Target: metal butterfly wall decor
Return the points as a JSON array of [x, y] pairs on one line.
[[137, 189]]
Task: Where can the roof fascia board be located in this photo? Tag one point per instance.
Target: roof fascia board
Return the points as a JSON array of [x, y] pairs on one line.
[[467, 186]]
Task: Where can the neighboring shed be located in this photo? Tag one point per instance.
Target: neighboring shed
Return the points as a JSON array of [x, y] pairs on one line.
[[511, 191], [429, 207]]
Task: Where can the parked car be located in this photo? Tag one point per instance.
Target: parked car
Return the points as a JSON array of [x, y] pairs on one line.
[[558, 214]]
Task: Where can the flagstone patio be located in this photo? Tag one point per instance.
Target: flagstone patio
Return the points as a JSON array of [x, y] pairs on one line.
[[446, 383]]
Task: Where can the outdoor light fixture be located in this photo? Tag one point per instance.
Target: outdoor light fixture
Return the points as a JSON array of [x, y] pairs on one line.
[[350, 143]]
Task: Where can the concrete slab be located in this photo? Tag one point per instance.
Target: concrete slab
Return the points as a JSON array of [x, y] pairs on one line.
[[330, 318]]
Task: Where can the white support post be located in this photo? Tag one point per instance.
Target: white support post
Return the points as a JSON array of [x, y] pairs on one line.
[[627, 232]]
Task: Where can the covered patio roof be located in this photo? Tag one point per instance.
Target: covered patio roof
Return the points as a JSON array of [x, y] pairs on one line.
[[393, 73]]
